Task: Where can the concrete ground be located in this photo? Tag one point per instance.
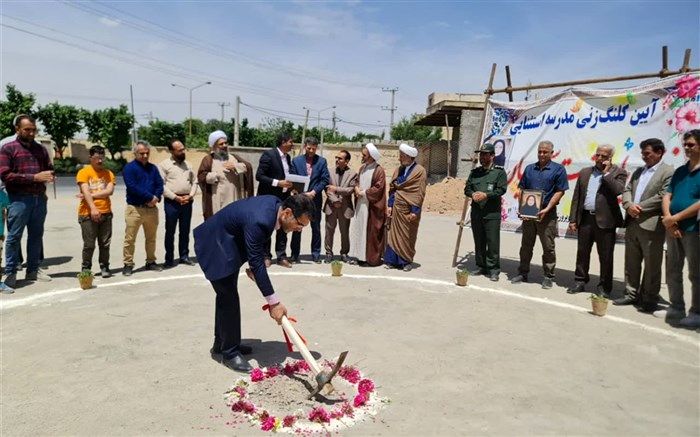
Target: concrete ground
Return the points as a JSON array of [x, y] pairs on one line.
[[131, 355]]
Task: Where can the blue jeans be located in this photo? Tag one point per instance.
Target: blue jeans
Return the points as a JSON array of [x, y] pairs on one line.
[[174, 214], [315, 235], [30, 211]]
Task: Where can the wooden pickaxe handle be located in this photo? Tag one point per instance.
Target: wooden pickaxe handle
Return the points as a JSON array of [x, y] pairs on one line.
[[301, 347]]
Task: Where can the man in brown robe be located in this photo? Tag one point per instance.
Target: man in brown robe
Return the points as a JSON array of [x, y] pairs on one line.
[[367, 228], [223, 177], [406, 194]]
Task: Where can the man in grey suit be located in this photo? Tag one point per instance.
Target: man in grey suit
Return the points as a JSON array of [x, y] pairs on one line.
[[644, 236], [595, 215], [338, 207]]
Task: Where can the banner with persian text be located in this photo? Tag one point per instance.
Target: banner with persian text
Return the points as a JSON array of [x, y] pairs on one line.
[[577, 120]]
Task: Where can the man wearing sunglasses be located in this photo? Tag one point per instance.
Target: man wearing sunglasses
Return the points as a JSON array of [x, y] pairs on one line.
[[237, 234]]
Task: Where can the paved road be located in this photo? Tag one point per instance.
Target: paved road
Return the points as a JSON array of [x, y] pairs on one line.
[[131, 356]]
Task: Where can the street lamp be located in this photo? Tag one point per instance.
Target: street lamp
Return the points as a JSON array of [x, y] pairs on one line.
[[190, 90], [318, 120]]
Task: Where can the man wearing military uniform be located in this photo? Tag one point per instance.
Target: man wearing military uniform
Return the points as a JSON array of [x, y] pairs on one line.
[[485, 186]]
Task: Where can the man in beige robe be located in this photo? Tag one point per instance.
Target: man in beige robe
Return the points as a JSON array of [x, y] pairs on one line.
[[367, 228], [222, 176], [406, 194]]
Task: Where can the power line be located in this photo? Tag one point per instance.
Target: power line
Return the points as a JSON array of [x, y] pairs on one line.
[[207, 46]]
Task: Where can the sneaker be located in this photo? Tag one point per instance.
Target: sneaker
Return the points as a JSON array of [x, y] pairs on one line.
[[187, 261], [547, 283], [153, 267], [38, 275], [518, 279], [11, 280], [105, 273], [494, 276], [4, 289], [127, 270], [407, 267], [578, 287], [669, 313], [691, 321]]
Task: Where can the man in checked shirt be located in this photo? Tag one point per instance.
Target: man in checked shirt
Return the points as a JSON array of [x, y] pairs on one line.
[[25, 168]]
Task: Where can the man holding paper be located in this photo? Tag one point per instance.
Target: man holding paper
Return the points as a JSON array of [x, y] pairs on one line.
[[273, 169], [316, 168]]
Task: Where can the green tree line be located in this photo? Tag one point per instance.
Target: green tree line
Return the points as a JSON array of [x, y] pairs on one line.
[[111, 127]]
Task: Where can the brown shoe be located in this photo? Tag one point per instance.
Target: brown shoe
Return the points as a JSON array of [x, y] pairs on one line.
[[268, 262], [284, 263]]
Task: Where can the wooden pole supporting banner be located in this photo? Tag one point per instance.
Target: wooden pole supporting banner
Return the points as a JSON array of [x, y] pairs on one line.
[[449, 147], [509, 84], [467, 200]]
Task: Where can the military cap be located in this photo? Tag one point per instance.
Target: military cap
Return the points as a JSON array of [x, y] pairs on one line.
[[487, 148]]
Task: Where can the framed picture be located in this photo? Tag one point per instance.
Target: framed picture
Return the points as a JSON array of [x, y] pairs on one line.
[[530, 203], [502, 149]]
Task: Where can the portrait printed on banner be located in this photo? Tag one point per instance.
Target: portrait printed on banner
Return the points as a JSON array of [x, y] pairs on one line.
[[530, 203], [502, 147]]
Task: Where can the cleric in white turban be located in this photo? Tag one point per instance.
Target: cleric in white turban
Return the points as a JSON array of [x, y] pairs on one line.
[[367, 227], [223, 177], [408, 150], [406, 194]]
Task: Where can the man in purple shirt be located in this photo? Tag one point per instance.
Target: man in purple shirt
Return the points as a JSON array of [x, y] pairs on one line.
[[25, 168]]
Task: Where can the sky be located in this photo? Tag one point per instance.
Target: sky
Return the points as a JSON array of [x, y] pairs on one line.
[[283, 56]]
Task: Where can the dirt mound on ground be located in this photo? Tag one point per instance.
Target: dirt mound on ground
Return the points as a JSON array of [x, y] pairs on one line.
[[446, 196]]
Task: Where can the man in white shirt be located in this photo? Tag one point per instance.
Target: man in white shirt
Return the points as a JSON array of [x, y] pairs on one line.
[[644, 235]]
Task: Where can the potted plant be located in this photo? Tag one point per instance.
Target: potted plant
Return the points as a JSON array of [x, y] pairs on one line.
[[85, 277], [462, 277], [600, 304], [337, 267]]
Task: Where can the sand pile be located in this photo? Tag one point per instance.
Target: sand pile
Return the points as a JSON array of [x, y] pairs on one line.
[[446, 196]]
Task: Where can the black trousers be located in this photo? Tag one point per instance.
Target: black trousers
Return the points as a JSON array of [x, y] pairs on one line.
[[280, 245], [604, 239], [227, 316]]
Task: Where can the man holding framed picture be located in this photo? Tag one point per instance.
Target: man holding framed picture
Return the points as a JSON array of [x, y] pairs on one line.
[[551, 179]]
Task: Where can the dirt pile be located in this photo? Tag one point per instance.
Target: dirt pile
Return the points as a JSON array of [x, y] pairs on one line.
[[446, 196]]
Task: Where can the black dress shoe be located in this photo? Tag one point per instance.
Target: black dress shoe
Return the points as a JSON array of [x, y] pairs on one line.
[[625, 300], [578, 287], [187, 261], [127, 270], [478, 272], [494, 277], [153, 267], [215, 352], [237, 363]]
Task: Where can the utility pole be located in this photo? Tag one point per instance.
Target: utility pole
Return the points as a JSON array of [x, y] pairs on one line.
[[306, 122], [391, 108], [237, 125], [333, 124], [222, 104], [133, 116]]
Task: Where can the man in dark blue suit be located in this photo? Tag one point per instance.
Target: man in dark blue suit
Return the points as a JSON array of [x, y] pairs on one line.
[[315, 166], [236, 234], [273, 168]]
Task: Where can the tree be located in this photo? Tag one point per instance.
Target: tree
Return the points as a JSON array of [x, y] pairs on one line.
[[16, 103], [110, 127], [61, 123], [159, 133], [361, 137], [407, 130]]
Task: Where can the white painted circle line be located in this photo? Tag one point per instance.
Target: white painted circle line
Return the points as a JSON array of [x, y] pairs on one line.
[[7, 303]]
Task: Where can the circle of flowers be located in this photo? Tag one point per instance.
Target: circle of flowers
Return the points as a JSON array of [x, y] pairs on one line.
[[363, 404]]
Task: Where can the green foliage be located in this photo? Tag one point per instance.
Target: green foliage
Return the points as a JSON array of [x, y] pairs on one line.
[[463, 271], [362, 137], [61, 123], [109, 127], [66, 165], [159, 133], [406, 130], [114, 165], [16, 103], [598, 297], [336, 262], [86, 273]]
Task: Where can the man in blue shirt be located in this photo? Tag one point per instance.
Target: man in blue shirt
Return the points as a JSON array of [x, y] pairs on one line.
[[315, 166], [144, 188], [680, 210], [550, 178]]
